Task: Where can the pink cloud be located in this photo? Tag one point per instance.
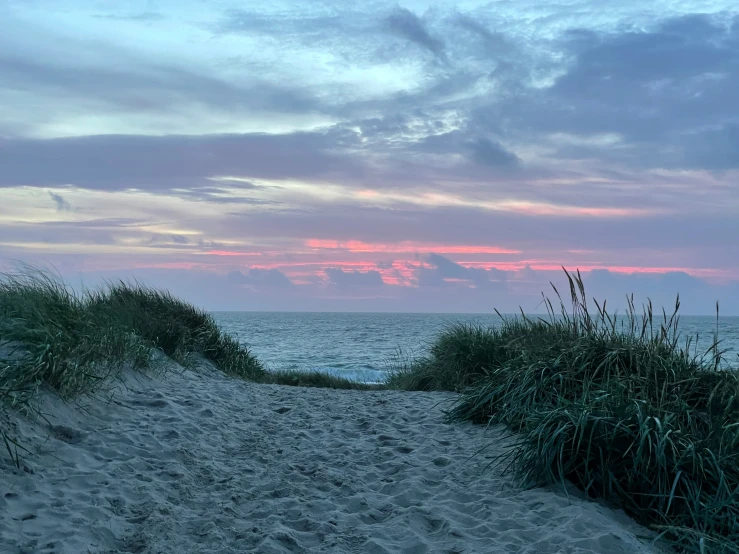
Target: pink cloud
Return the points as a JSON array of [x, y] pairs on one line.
[[231, 253], [356, 246]]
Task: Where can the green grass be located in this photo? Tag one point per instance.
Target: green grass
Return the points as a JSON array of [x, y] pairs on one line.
[[173, 326], [317, 379], [53, 337], [50, 337], [458, 358], [71, 342], [618, 406]]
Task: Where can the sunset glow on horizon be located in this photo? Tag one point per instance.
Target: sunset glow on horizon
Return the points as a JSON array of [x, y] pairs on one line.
[[397, 157]]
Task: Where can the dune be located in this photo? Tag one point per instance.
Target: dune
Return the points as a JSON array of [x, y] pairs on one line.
[[198, 462]]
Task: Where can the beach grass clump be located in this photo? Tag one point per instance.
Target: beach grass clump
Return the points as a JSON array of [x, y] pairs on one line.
[[319, 379], [50, 337], [175, 327], [458, 358], [71, 342], [618, 406]]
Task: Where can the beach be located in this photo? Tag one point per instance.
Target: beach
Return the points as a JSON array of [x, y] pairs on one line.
[[199, 462]]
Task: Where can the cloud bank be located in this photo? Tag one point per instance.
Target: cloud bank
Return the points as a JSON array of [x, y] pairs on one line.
[[343, 157]]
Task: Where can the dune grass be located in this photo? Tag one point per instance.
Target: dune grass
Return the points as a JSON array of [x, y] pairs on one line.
[[320, 379], [71, 342], [618, 406], [177, 328], [50, 337], [458, 358]]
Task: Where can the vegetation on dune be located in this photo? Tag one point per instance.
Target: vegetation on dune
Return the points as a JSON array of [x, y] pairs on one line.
[[617, 406], [457, 359], [54, 337], [173, 326], [50, 337], [298, 378], [71, 343]]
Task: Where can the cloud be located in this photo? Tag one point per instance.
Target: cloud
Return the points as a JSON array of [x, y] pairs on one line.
[[137, 86], [119, 162], [715, 149], [665, 94], [233, 194], [342, 278], [696, 295], [408, 25], [186, 165], [496, 44], [537, 123], [56, 234], [443, 272], [57, 81], [61, 204], [143, 17], [352, 37], [258, 276], [701, 239], [642, 110], [670, 282], [316, 26], [480, 150], [662, 90], [491, 153]]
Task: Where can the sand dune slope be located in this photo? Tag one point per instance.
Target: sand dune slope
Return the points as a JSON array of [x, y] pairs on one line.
[[197, 462]]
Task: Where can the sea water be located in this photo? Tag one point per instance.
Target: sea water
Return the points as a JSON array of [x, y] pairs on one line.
[[364, 346]]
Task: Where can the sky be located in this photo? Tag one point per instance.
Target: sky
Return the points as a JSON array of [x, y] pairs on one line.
[[373, 155]]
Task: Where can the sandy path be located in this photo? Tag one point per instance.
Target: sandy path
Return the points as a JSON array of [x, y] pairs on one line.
[[198, 463]]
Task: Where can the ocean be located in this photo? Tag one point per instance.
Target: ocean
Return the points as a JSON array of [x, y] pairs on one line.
[[362, 346]]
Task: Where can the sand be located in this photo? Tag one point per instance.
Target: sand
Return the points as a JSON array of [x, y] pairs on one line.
[[196, 462]]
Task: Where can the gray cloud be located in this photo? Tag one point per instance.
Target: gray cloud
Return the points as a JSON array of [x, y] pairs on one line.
[[442, 268], [61, 204], [668, 92], [350, 34], [699, 237], [480, 150], [339, 277], [182, 164], [715, 149], [118, 162], [408, 25], [222, 195], [495, 44], [696, 295], [677, 114], [215, 292], [56, 233], [258, 276], [491, 153], [81, 74]]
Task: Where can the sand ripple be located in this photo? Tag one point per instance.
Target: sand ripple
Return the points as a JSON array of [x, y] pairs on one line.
[[199, 463]]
